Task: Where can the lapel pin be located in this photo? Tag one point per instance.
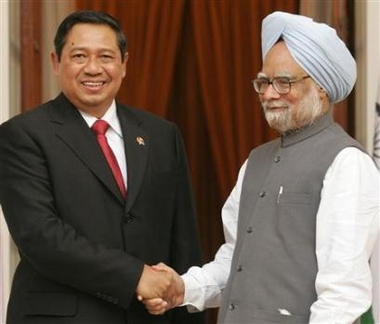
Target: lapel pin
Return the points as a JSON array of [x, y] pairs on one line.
[[140, 140]]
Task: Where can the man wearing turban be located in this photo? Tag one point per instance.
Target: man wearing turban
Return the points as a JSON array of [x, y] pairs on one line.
[[302, 220]]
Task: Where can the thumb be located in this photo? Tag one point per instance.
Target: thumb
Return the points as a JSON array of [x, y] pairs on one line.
[[161, 267]]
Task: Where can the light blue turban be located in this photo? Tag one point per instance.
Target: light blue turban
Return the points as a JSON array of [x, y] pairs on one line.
[[316, 47]]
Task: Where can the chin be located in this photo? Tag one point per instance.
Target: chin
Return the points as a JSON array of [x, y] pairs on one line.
[[281, 124]]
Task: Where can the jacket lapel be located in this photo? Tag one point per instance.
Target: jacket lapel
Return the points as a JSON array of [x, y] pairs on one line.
[[75, 133], [136, 143]]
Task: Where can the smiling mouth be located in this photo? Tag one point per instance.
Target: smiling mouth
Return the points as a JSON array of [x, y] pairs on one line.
[[93, 84], [275, 108]]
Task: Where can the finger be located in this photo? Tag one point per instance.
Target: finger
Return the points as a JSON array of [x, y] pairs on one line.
[[158, 312], [154, 301], [158, 308]]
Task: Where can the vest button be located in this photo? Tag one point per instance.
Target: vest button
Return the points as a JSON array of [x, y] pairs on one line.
[[277, 159], [231, 307], [239, 268], [249, 229], [262, 194]]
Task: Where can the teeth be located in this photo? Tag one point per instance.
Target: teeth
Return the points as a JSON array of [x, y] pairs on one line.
[[92, 84]]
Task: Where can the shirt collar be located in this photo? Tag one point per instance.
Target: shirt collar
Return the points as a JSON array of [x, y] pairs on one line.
[[110, 117]]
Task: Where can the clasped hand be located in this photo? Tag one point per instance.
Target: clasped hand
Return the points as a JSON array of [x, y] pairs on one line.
[[160, 288]]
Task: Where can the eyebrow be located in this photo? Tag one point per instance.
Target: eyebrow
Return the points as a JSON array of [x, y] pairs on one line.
[[85, 49], [262, 75]]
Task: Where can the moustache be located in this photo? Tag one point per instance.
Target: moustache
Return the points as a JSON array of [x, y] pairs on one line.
[[273, 104]]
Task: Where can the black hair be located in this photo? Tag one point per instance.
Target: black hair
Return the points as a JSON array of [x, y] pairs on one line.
[[88, 17]]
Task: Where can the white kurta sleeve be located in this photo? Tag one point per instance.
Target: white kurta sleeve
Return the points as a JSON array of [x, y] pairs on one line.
[[204, 285], [347, 228]]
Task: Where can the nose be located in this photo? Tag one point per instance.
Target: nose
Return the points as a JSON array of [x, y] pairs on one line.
[[93, 66], [270, 93]]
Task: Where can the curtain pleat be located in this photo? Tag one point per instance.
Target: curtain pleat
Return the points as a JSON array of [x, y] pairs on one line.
[[153, 29], [225, 120]]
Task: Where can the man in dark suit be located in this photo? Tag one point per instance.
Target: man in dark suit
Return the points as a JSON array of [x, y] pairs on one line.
[[86, 239]]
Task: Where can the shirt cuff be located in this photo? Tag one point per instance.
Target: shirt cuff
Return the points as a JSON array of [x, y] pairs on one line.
[[190, 298]]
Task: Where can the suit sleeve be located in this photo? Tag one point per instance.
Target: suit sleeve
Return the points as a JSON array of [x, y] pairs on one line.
[[51, 246]]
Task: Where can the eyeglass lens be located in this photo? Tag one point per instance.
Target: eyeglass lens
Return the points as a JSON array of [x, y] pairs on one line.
[[281, 85]]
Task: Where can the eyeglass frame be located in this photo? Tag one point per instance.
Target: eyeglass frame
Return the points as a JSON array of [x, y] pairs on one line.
[[270, 82]]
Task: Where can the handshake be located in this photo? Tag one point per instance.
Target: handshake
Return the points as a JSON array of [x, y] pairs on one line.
[[160, 288]]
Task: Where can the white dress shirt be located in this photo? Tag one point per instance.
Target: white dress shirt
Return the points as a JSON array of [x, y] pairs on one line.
[[114, 136], [346, 230]]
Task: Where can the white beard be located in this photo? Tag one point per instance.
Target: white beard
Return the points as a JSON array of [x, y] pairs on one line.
[[291, 119]]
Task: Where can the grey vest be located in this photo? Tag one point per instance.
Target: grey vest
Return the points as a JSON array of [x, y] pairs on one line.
[[274, 266]]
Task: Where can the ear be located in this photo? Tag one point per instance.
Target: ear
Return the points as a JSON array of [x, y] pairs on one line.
[[125, 63], [55, 62], [322, 94]]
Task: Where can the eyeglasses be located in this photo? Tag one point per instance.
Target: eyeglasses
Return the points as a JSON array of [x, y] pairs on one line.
[[282, 85]]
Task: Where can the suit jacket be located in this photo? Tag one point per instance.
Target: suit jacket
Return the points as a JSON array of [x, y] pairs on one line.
[[83, 247]]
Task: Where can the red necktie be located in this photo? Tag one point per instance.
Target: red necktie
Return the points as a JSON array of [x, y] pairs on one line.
[[99, 128]]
